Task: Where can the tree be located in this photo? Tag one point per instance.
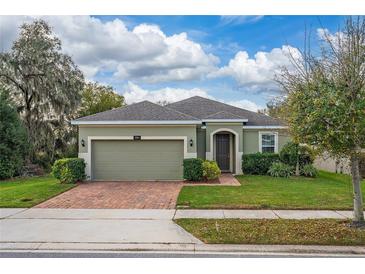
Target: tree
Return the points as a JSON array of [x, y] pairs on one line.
[[275, 108], [97, 98], [44, 83], [13, 138], [326, 99]]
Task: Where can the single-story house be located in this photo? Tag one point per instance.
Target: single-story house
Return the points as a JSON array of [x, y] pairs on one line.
[[147, 141]]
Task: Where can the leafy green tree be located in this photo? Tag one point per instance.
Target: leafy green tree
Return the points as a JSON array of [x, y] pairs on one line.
[[97, 98], [13, 138], [326, 99], [44, 83]]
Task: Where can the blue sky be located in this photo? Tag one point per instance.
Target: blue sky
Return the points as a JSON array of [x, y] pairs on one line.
[[228, 58]]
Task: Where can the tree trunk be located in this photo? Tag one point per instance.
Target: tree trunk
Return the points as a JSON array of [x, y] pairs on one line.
[[297, 169], [358, 219]]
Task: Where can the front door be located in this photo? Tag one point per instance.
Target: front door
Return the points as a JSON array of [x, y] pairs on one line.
[[222, 151]]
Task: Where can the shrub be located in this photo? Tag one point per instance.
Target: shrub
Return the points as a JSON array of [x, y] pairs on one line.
[[67, 176], [279, 169], [211, 170], [193, 169], [308, 171], [69, 170], [258, 163], [289, 154], [13, 139]]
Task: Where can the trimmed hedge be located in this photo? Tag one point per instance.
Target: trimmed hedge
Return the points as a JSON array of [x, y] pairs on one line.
[[211, 170], [193, 169], [69, 170], [258, 163]]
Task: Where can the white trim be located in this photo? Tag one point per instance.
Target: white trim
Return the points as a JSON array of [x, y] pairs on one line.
[[265, 127], [225, 120], [87, 156], [276, 145], [210, 155], [164, 122]]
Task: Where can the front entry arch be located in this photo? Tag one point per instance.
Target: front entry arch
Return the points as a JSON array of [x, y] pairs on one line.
[[224, 146]]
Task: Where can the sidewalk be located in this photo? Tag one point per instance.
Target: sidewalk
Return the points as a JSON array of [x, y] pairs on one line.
[[37, 229], [263, 214]]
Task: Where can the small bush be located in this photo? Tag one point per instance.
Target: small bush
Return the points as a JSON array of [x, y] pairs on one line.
[[279, 169], [308, 171], [193, 169], [211, 170], [258, 163], [69, 170], [289, 154]]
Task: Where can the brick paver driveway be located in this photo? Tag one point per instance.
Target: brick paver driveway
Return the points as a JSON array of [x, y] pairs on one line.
[[160, 195]]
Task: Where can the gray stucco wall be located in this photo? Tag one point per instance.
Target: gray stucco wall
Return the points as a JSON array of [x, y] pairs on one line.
[[251, 139], [236, 127], [200, 135], [177, 130]]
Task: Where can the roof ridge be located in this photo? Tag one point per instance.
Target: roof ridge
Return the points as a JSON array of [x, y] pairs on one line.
[[186, 99], [188, 115]]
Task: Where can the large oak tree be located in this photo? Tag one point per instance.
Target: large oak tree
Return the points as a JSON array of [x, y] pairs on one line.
[[44, 83]]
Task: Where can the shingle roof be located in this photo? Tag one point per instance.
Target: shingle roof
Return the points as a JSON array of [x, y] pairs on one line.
[[142, 111], [200, 107], [192, 109], [223, 115]]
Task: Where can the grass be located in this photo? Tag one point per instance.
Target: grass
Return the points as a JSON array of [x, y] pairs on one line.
[[278, 231], [28, 192], [327, 191]]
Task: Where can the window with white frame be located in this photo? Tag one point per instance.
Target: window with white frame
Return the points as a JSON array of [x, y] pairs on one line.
[[268, 142]]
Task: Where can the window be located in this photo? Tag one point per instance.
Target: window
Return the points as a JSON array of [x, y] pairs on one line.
[[268, 142]]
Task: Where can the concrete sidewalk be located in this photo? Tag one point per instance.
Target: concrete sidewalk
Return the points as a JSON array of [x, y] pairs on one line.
[[152, 230], [111, 226], [168, 214], [263, 214]]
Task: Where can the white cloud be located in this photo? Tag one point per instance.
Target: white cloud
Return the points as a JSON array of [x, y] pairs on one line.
[[336, 38], [239, 19], [245, 104], [257, 73], [134, 93], [144, 53]]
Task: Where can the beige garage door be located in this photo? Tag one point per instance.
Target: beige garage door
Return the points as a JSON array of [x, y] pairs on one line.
[[137, 160]]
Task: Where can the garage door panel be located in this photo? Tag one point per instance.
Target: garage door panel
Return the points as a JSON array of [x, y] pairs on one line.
[[137, 160]]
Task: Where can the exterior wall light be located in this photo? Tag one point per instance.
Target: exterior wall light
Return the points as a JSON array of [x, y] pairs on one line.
[[83, 142], [191, 142]]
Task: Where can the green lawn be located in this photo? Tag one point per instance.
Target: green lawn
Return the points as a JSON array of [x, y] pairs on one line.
[[327, 191], [279, 231], [27, 192]]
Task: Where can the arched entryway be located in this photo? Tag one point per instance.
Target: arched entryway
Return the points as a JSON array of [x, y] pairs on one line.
[[224, 148]]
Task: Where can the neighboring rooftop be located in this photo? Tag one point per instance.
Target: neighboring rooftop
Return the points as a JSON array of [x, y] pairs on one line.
[[193, 110]]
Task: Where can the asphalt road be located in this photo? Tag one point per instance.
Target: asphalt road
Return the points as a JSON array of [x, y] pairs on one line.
[[163, 255]]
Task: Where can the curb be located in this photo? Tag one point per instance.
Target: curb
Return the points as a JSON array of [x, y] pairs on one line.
[[177, 247]]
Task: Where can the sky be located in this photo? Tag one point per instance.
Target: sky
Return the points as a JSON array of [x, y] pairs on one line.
[[232, 59]]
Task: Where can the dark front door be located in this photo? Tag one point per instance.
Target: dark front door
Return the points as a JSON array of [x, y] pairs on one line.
[[222, 151]]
